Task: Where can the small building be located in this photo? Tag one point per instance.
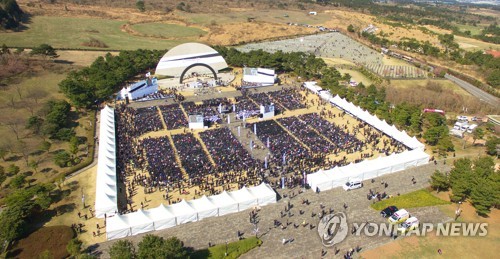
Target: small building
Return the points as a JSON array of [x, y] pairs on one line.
[[139, 89], [267, 111], [196, 121], [256, 77]]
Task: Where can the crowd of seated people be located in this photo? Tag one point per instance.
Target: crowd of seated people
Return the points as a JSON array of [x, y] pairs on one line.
[[193, 158], [343, 140], [264, 99], [206, 110], [160, 159], [146, 120], [306, 135], [288, 97], [246, 84], [173, 116], [226, 151]]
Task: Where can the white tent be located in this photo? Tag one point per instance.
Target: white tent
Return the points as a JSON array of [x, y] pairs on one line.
[[162, 217], [106, 190], [244, 198], [264, 194], [204, 207], [224, 203], [368, 169], [183, 212], [117, 227], [319, 181], [139, 222]]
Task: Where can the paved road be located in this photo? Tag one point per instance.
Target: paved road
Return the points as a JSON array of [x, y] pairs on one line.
[[482, 95], [307, 244]]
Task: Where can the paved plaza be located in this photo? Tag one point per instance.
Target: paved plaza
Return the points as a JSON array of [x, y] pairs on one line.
[[306, 244]]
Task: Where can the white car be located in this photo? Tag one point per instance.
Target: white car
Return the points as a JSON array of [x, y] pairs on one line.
[[408, 225], [351, 185], [398, 217]]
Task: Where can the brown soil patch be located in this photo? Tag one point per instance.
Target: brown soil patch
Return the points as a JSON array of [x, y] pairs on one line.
[[452, 247], [53, 239]]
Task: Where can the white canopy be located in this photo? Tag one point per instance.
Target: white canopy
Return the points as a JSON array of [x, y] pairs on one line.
[[117, 227], [244, 198], [264, 194], [139, 222], [204, 207], [183, 212], [162, 217], [106, 190], [367, 169], [225, 203]]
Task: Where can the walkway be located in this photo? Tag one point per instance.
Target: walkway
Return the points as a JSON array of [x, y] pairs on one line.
[[307, 244]]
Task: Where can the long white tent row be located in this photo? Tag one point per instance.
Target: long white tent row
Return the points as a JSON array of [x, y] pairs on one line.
[[375, 122], [365, 116], [163, 217], [367, 169], [106, 189]]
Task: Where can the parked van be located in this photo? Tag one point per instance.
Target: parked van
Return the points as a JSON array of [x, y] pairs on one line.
[[398, 217], [351, 185], [408, 225], [471, 128]]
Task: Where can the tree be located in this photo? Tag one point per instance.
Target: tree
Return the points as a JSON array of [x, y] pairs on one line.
[[74, 247], [12, 224], [152, 246], [13, 170], [73, 145], [122, 249], [477, 134], [3, 152], [45, 146], [175, 248], [33, 164], [62, 159], [44, 50], [350, 28], [140, 5], [34, 124], [484, 195], [491, 146], [18, 181], [10, 14], [3, 177], [440, 181]]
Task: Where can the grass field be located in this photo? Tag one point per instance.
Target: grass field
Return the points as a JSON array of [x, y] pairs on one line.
[[356, 76], [15, 109], [420, 198], [274, 16], [168, 30], [474, 30], [234, 249], [446, 84], [473, 44], [68, 32]]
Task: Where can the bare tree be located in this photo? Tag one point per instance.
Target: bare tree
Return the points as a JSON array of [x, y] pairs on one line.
[[14, 122], [23, 149], [35, 94]]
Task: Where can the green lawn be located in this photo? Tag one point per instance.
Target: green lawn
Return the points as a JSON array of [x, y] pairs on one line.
[[168, 30], [420, 198], [68, 32], [475, 30], [274, 16], [234, 250]]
